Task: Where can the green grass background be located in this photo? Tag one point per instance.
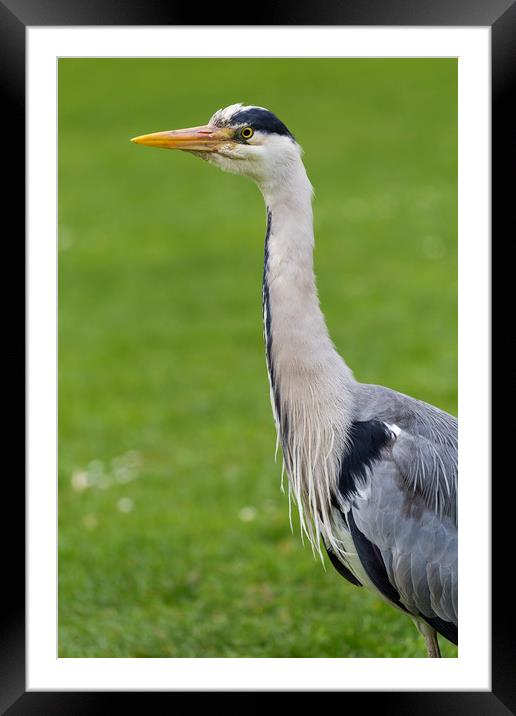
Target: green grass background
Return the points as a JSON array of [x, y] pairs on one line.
[[173, 533]]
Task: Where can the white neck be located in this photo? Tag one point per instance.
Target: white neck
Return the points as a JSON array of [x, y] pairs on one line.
[[311, 386]]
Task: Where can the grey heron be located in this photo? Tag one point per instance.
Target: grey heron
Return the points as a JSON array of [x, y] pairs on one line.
[[373, 471]]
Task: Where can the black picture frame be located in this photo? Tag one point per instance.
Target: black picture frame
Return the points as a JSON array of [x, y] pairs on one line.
[[500, 16]]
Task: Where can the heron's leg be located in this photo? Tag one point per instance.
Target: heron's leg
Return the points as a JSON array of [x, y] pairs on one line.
[[430, 636], [432, 645]]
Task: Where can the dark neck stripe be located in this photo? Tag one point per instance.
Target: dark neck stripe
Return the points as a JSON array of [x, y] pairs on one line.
[[267, 328]]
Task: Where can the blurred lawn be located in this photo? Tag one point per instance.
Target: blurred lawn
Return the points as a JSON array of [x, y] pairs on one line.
[[173, 534]]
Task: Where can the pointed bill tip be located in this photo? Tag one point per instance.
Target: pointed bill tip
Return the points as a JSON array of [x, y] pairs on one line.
[[142, 139]]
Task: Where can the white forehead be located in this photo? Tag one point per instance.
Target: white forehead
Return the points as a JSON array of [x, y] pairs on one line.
[[222, 116]]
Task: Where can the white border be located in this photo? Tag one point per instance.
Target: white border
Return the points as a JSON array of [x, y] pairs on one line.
[[472, 669]]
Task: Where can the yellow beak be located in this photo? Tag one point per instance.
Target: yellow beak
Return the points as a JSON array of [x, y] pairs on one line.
[[194, 139]]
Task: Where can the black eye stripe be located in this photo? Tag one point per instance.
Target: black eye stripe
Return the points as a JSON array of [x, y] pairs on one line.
[[257, 118], [261, 120]]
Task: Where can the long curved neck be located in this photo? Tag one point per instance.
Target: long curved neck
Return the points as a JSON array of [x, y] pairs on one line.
[[299, 348], [299, 329], [311, 386]]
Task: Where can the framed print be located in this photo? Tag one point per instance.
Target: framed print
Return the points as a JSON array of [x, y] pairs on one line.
[[159, 556]]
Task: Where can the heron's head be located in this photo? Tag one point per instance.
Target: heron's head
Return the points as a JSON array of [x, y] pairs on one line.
[[240, 139]]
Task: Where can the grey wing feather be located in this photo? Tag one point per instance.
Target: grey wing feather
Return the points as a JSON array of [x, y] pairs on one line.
[[409, 508], [417, 546], [425, 451]]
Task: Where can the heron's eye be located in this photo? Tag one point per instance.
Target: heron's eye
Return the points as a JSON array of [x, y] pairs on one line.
[[246, 133]]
